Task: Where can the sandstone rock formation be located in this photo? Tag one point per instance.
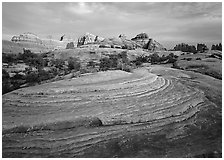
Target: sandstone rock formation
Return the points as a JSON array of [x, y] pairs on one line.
[[70, 45], [88, 38], [152, 112], [147, 43], [123, 36], [27, 37], [120, 42], [34, 43], [142, 40], [141, 36]]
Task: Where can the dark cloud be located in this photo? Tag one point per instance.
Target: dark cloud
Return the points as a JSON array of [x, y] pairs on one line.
[[166, 22]]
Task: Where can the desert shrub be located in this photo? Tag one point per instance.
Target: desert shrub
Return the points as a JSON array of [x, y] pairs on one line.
[[5, 74], [171, 58], [26, 57], [74, 64], [18, 77], [128, 47], [217, 47], [215, 56], [198, 58], [44, 55], [32, 59], [113, 60], [8, 58], [185, 48], [44, 75], [127, 68], [141, 59], [6, 85], [124, 57], [175, 65], [36, 62], [32, 77], [163, 58], [213, 73], [58, 63], [91, 64], [104, 46], [196, 66], [155, 58], [124, 47], [201, 48], [84, 70], [105, 63], [188, 59], [36, 77]]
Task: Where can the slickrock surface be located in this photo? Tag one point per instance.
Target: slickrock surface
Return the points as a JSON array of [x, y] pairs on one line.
[[153, 112]]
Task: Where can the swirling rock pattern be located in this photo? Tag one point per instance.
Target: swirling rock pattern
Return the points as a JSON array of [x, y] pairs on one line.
[[107, 114]]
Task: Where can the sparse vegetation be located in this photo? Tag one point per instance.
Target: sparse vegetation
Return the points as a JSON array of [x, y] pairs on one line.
[[155, 59], [36, 72], [201, 48], [185, 48], [115, 61], [74, 64], [217, 47]]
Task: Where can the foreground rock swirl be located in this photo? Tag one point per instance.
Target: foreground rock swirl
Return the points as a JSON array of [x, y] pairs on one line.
[[153, 112]]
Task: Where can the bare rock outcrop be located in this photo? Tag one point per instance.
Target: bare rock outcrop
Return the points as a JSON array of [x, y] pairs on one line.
[[27, 37], [34, 43], [147, 43], [142, 40], [70, 45], [115, 113], [123, 36], [88, 38], [120, 43]]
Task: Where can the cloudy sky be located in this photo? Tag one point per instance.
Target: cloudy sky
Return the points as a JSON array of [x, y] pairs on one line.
[[168, 23]]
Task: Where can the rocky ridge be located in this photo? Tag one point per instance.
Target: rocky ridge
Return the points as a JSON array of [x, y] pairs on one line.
[[140, 41], [88, 38]]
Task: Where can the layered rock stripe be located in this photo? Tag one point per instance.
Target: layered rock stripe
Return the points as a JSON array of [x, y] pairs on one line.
[[70, 117]]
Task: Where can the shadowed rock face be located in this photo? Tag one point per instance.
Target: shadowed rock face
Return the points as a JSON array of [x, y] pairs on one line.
[[153, 112]]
